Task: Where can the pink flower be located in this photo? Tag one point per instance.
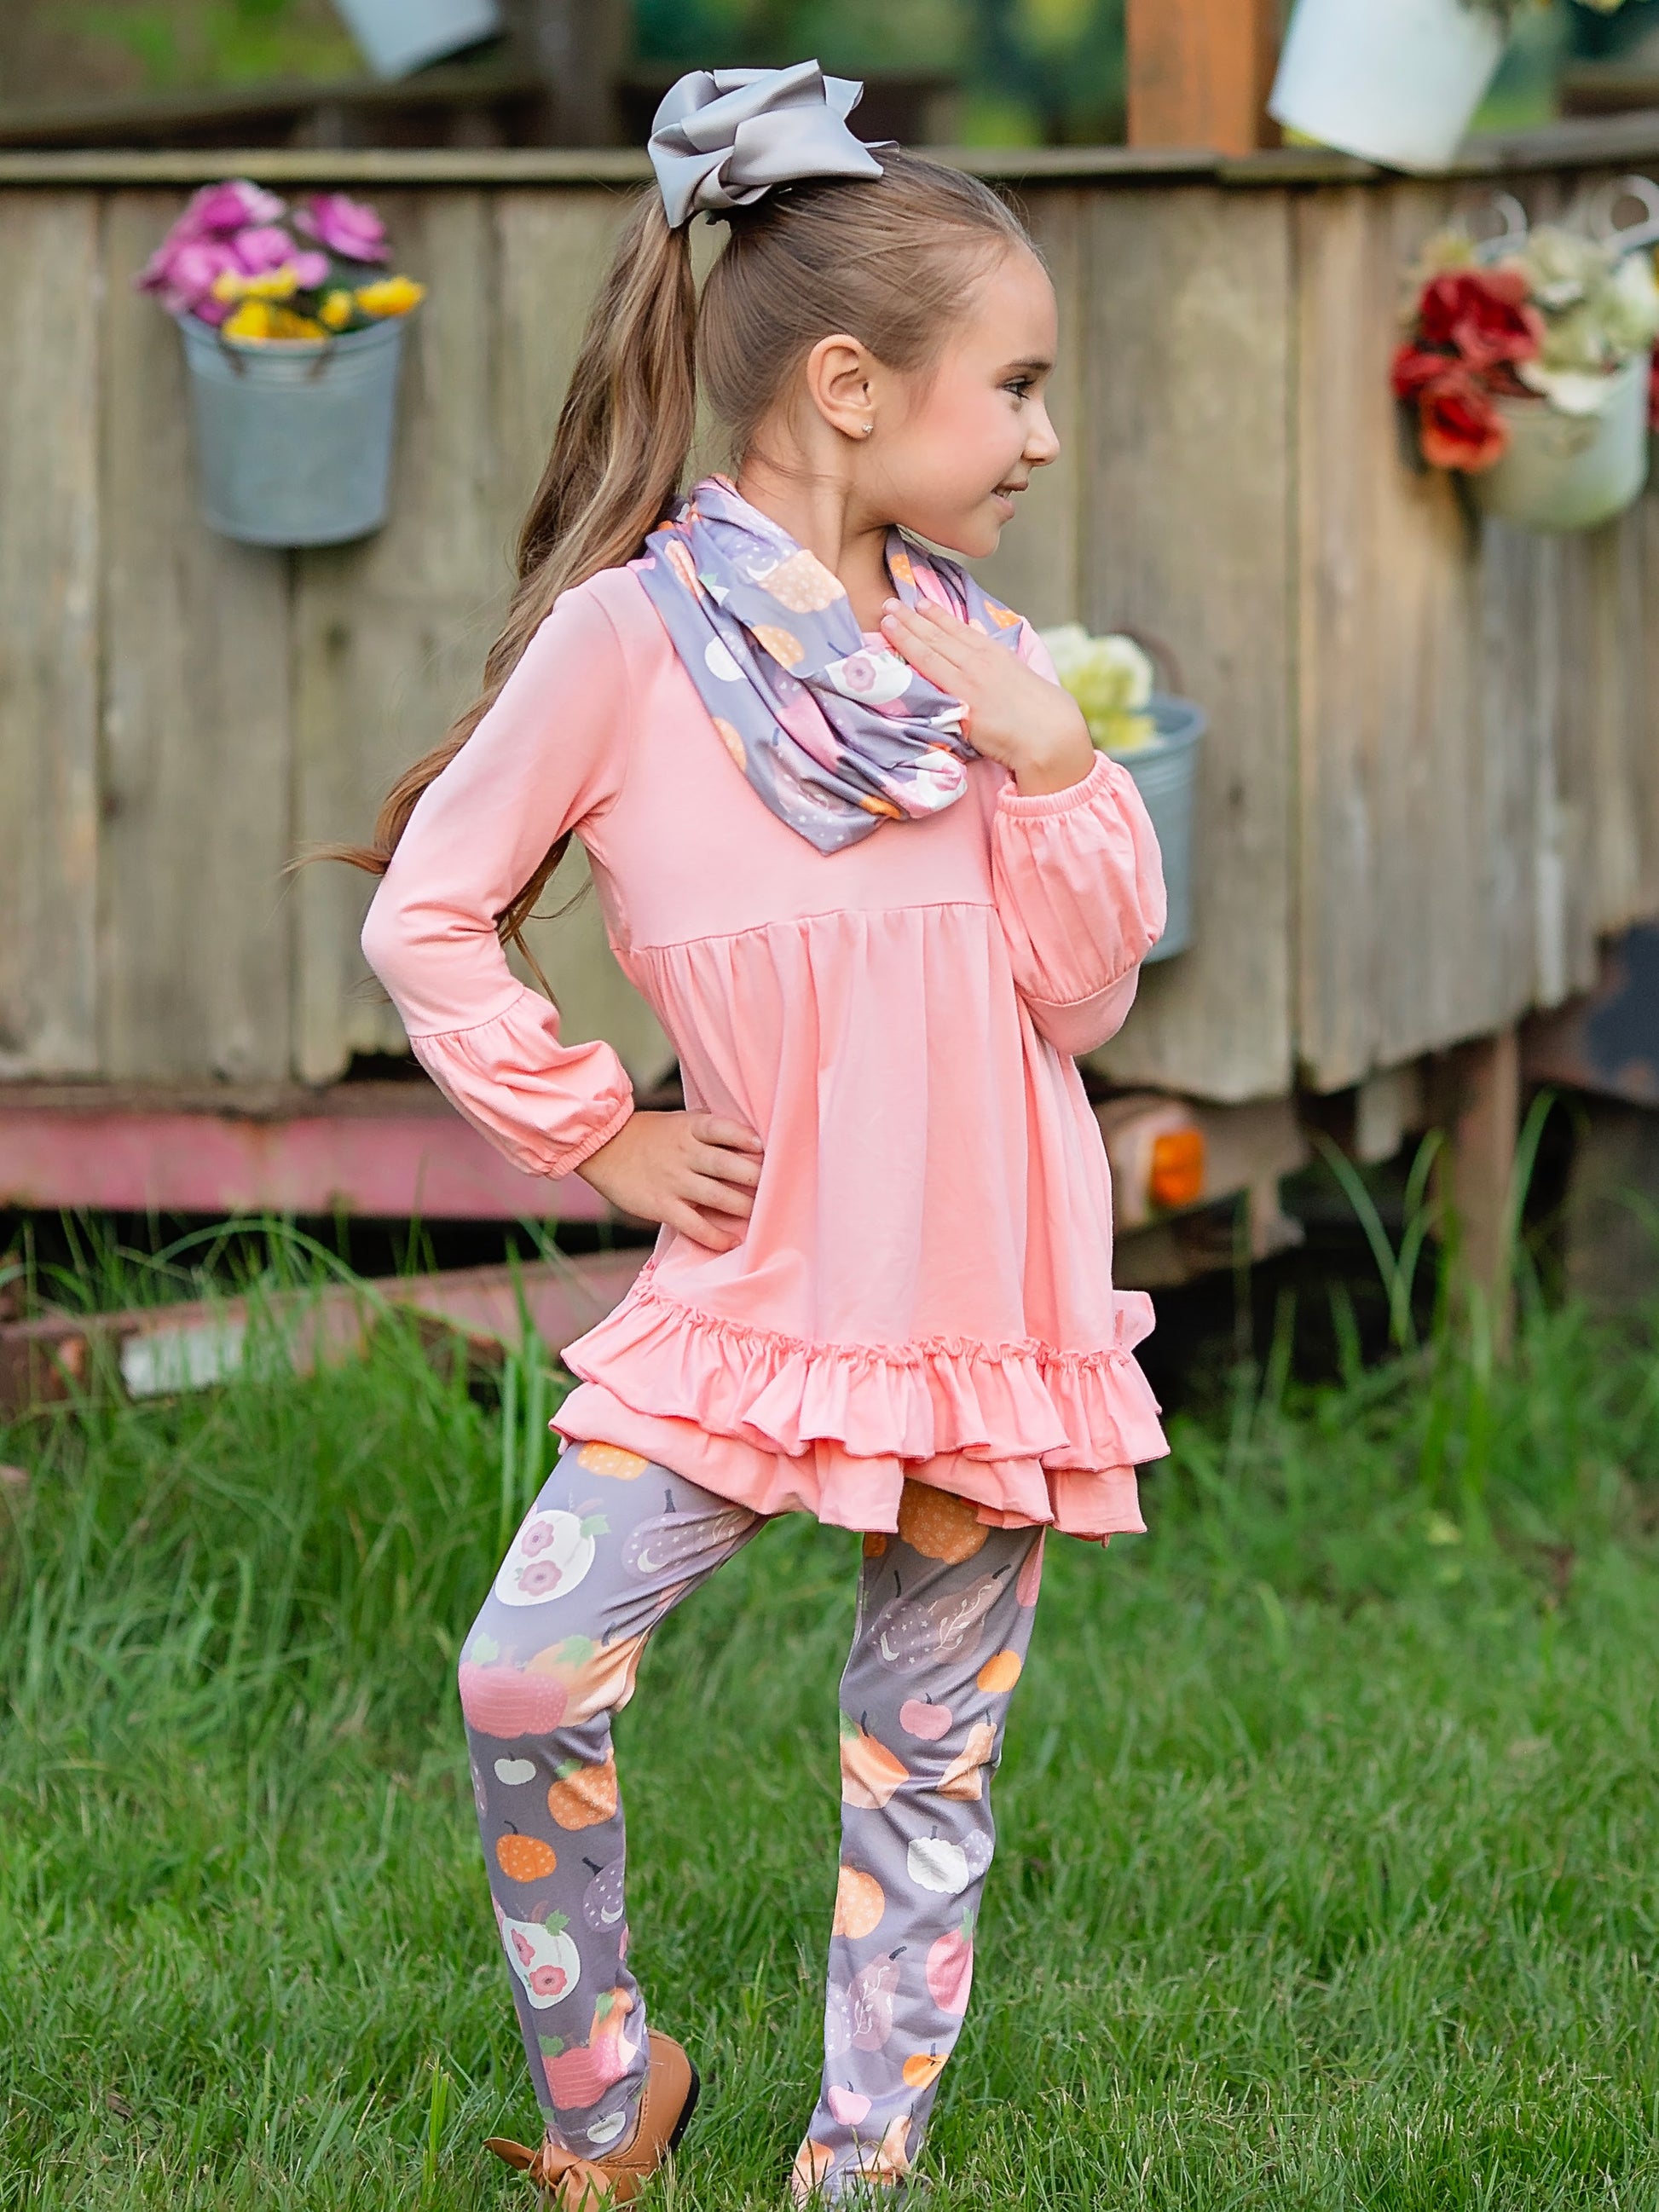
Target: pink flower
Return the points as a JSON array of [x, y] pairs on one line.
[[263, 247], [182, 273], [218, 209], [345, 226]]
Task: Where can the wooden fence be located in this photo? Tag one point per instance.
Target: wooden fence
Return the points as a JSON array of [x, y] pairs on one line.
[[1433, 778]]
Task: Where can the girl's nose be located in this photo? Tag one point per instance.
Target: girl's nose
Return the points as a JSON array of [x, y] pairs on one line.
[[1041, 443]]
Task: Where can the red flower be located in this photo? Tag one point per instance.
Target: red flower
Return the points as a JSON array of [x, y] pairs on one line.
[[1458, 426], [1414, 370], [1484, 313]]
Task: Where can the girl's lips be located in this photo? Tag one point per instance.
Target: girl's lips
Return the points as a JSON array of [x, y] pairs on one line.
[[1005, 504]]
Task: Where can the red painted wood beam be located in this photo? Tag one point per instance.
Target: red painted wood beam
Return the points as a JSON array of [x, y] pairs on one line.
[[392, 1161]]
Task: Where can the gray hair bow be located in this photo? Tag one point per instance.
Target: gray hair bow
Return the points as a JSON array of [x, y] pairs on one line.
[[724, 138]]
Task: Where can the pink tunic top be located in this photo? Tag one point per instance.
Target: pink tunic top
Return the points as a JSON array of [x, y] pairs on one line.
[[925, 1285]]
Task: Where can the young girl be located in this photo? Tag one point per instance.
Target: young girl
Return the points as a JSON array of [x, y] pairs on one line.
[[854, 847]]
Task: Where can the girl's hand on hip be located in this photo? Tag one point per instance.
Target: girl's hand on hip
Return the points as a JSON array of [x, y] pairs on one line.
[[693, 1172], [1014, 715]]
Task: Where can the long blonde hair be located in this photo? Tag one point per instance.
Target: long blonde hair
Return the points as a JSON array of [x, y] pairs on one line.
[[886, 259]]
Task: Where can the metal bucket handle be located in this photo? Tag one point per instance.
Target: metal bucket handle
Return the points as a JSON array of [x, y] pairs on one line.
[[238, 358], [1626, 238], [1160, 653], [1511, 238]]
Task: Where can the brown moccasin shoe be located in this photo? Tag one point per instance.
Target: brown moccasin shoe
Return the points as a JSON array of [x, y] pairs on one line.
[[571, 2184]]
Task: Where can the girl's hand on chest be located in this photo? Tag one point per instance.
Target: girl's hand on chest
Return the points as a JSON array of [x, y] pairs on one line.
[[693, 1172], [1014, 715]]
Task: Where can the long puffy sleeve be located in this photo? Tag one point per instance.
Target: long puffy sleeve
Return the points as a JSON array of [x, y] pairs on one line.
[[1080, 885], [549, 753]]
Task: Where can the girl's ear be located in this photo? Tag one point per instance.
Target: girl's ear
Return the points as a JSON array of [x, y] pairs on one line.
[[842, 377]]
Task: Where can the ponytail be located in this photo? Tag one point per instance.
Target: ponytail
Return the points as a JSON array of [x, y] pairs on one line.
[[620, 448]]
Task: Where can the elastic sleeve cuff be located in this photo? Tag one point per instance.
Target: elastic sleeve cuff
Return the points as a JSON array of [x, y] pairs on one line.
[[1101, 777], [568, 1162]]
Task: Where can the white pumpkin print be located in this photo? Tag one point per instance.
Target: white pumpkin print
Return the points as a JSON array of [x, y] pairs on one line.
[[543, 1957], [934, 1862], [549, 1557]]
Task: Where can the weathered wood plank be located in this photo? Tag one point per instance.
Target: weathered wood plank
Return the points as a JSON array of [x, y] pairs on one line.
[[552, 250], [49, 495], [1186, 533], [193, 944], [1037, 567], [389, 634], [1200, 72]]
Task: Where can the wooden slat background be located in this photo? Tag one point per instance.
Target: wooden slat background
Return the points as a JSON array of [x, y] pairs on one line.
[[1432, 778]]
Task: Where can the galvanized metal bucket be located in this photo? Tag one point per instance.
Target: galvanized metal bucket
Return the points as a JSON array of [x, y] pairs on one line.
[[398, 36], [1565, 471], [1396, 81], [1166, 775], [293, 439]]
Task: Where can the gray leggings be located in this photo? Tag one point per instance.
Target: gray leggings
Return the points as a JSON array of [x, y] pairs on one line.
[[610, 1547]]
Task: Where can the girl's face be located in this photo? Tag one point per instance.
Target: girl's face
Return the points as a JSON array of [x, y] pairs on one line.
[[955, 447]]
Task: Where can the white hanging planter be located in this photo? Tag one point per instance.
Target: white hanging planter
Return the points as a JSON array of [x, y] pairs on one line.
[[398, 36], [1394, 81], [1562, 472]]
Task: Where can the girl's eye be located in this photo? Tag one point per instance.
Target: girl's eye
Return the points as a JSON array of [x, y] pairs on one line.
[[1021, 387]]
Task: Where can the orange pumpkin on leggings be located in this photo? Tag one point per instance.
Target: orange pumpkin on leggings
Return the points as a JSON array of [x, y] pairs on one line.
[[938, 1526]]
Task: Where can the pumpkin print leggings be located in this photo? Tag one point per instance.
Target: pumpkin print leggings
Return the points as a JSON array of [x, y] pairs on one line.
[[610, 1547]]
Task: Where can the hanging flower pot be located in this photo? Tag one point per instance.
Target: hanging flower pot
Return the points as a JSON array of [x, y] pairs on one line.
[[398, 36], [294, 438], [1395, 80], [1527, 366], [1155, 735], [1570, 471], [293, 338]]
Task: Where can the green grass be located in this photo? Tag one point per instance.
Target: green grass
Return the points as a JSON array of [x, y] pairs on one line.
[[1329, 1872]]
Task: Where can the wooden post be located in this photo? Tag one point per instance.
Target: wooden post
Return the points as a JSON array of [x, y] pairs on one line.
[[579, 49], [1484, 1133], [1200, 72]]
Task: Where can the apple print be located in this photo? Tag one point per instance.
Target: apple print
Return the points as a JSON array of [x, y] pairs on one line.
[[907, 1632], [673, 1539], [849, 2107], [892, 2161], [551, 1554], [1000, 1672], [934, 1862], [580, 2075], [924, 2069], [515, 1771], [602, 1901], [860, 2016], [509, 1701], [607, 2130], [920, 1717], [543, 1957], [951, 1968]]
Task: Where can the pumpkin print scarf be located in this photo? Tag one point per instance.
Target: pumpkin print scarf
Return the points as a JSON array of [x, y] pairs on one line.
[[836, 735]]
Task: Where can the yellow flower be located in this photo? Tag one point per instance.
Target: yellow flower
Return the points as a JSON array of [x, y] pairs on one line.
[[336, 309], [256, 322], [251, 323], [271, 284], [391, 295]]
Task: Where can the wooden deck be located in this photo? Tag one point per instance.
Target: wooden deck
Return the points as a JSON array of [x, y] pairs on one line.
[[1433, 780]]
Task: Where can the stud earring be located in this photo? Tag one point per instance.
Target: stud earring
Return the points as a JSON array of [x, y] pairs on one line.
[[868, 427]]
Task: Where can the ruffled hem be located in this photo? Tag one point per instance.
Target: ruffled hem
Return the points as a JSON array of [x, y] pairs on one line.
[[845, 1493], [1033, 1435]]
